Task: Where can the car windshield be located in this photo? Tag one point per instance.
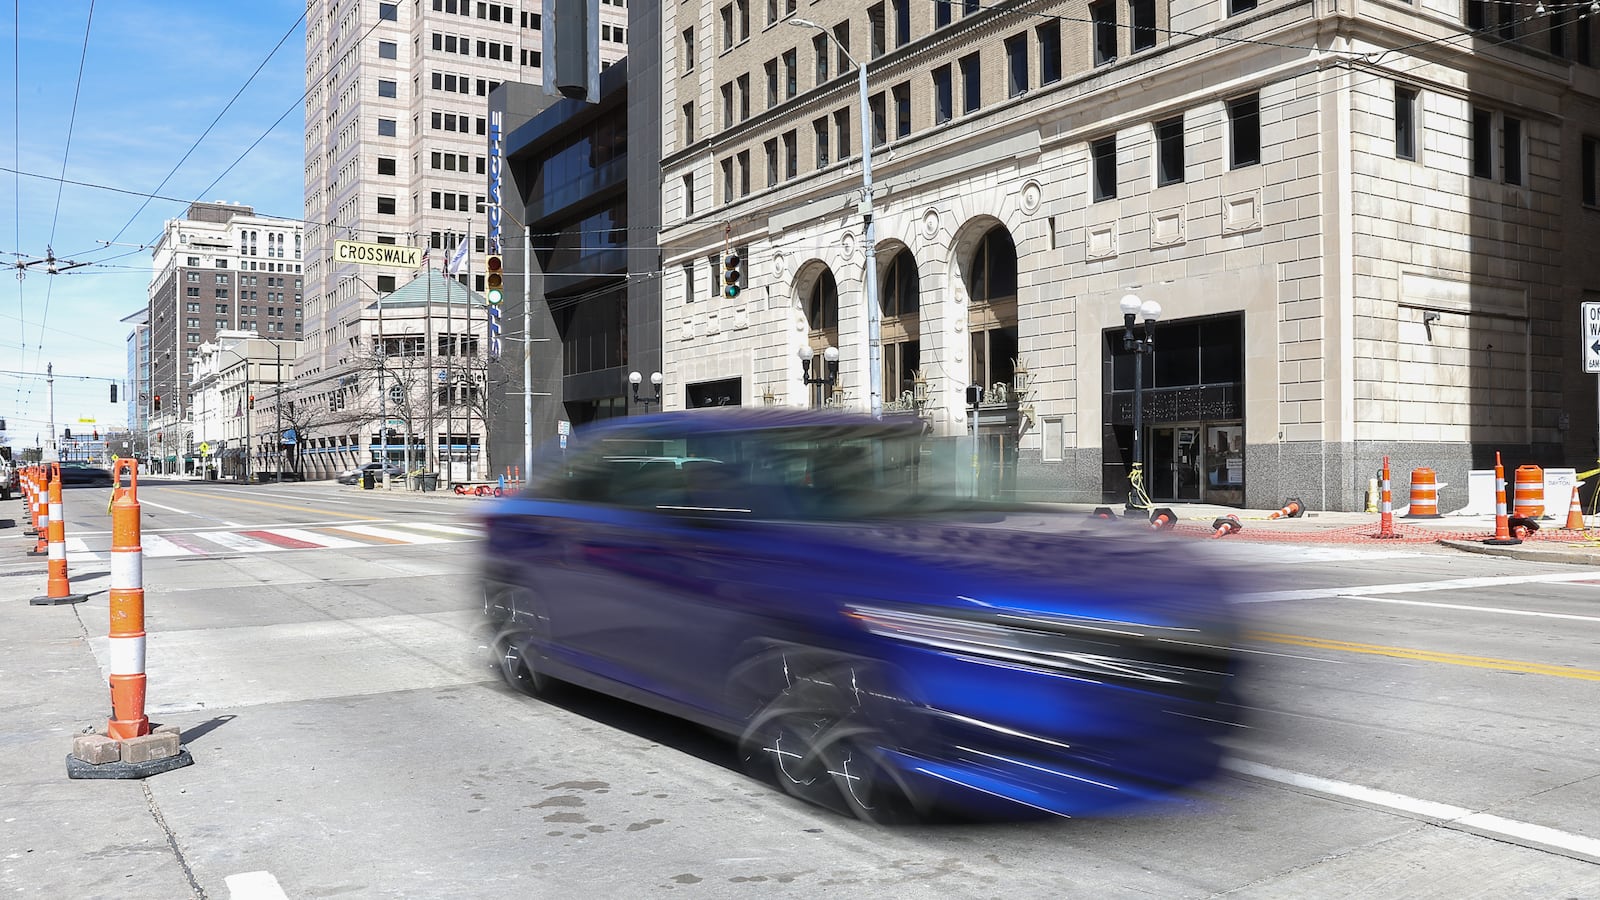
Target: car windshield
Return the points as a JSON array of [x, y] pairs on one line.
[[823, 473]]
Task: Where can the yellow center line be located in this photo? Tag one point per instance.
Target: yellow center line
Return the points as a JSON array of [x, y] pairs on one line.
[[339, 514], [1454, 659]]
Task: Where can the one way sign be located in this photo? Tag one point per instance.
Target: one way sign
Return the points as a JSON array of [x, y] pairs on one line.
[[1591, 337]]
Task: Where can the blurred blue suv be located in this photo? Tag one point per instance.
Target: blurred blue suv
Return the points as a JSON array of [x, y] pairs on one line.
[[823, 588]]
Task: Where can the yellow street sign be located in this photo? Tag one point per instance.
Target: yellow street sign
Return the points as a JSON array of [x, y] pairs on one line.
[[391, 255]]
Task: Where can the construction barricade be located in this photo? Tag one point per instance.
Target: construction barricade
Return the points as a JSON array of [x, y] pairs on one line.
[[1424, 495], [129, 747], [1529, 492], [58, 586]]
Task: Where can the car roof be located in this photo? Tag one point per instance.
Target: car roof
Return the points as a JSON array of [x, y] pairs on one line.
[[721, 420]]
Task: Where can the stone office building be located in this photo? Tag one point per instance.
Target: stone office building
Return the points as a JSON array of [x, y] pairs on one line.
[[1364, 223]]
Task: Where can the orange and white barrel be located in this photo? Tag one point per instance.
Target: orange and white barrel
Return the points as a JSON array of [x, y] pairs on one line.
[[1424, 495], [1528, 497], [125, 651]]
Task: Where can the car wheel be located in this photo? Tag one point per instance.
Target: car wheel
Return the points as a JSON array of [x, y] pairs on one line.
[[812, 740], [510, 647]]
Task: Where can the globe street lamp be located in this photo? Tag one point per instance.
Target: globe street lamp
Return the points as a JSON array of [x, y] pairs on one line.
[[869, 232], [829, 378], [635, 379], [1140, 346]]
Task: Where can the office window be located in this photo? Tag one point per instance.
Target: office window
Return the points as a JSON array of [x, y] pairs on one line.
[[841, 37], [819, 128], [1476, 16], [841, 131], [1582, 50], [1405, 122], [1236, 7], [1591, 171], [880, 134], [744, 172], [387, 88], [743, 84], [688, 282], [820, 47], [727, 105], [970, 7], [1103, 13], [1509, 13], [771, 148], [1511, 133], [771, 67], [791, 154], [1049, 52], [385, 206], [941, 13], [386, 127], [742, 8], [1103, 154], [727, 26], [875, 27], [1558, 32], [944, 103], [902, 22], [1017, 65], [1244, 131], [1142, 15], [688, 122], [688, 49], [902, 109], [791, 73], [388, 12], [727, 180], [388, 50], [1482, 143], [1169, 151], [386, 165], [971, 84]]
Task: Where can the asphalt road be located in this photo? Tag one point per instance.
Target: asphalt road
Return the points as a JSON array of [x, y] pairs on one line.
[[1422, 726]]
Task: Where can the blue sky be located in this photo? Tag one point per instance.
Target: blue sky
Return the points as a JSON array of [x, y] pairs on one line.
[[155, 76]]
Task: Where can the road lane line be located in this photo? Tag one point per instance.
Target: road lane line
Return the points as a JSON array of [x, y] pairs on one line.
[[1500, 610], [1456, 818], [1454, 659], [302, 506], [390, 534], [445, 529], [1361, 591]]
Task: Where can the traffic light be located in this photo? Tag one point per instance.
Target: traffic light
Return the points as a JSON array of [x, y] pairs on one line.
[[113, 392], [731, 275], [252, 402], [155, 405], [97, 434], [66, 434], [495, 283]]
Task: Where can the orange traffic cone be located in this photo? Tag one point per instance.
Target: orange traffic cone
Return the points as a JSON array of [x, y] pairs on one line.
[[1226, 525], [58, 585], [1502, 523], [1163, 519], [1292, 509], [1575, 513]]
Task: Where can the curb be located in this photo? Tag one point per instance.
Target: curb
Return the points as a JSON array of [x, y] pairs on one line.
[[1529, 554]]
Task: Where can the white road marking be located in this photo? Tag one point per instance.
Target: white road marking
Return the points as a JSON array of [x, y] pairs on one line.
[[1412, 587], [254, 886], [156, 545], [314, 537], [235, 542], [391, 534], [447, 529], [1458, 818], [78, 551], [173, 509]]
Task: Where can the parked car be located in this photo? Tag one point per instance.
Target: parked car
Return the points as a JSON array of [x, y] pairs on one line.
[[76, 473], [822, 588], [10, 481], [353, 476]]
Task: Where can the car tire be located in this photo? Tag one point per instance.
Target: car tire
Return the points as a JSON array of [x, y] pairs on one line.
[[814, 742], [511, 646]]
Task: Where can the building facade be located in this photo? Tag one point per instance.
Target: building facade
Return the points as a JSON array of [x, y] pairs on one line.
[[220, 268], [1358, 219], [397, 152]]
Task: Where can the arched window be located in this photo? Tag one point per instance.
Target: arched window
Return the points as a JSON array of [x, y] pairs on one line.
[[822, 315], [992, 284], [902, 348]]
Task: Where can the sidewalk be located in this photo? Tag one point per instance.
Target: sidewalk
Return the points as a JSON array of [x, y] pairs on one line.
[[1551, 543]]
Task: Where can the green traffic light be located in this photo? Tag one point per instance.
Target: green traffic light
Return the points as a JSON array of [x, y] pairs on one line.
[[494, 297], [731, 291]]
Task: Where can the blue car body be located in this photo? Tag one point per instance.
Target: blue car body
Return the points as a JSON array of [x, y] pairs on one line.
[[875, 641]]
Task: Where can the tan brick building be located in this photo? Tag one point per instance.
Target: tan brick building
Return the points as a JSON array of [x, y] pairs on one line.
[[1363, 221]]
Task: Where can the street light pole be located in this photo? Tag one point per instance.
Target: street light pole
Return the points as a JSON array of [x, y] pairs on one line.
[[277, 376], [1140, 347], [868, 231]]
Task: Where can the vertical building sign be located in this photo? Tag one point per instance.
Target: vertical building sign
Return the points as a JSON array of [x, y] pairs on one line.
[[495, 118]]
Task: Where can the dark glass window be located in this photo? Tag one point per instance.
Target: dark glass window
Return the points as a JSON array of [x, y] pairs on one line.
[[944, 101], [1512, 131], [1169, 151], [1103, 13], [971, 85], [994, 268], [822, 307], [900, 286], [1049, 52], [1244, 121], [902, 109], [1142, 14], [1017, 64], [1482, 143], [941, 13], [1405, 122], [1103, 155], [387, 88], [388, 50]]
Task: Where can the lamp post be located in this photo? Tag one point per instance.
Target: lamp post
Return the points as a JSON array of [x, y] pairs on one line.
[[828, 378], [246, 403], [868, 229], [277, 401], [528, 393], [383, 367], [635, 379], [1140, 346]]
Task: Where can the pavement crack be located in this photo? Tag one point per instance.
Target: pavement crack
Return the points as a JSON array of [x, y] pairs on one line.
[[172, 841]]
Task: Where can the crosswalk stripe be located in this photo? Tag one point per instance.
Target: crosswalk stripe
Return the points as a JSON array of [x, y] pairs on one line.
[[390, 534], [156, 545], [231, 541], [446, 529], [318, 537], [78, 551]]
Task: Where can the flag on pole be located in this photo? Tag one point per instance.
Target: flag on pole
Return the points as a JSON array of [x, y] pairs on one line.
[[457, 259], [426, 252]]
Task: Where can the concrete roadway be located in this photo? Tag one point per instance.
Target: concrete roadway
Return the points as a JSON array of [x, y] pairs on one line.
[[1423, 726]]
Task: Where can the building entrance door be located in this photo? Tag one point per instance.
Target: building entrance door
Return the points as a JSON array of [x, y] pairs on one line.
[[1175, 463]]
